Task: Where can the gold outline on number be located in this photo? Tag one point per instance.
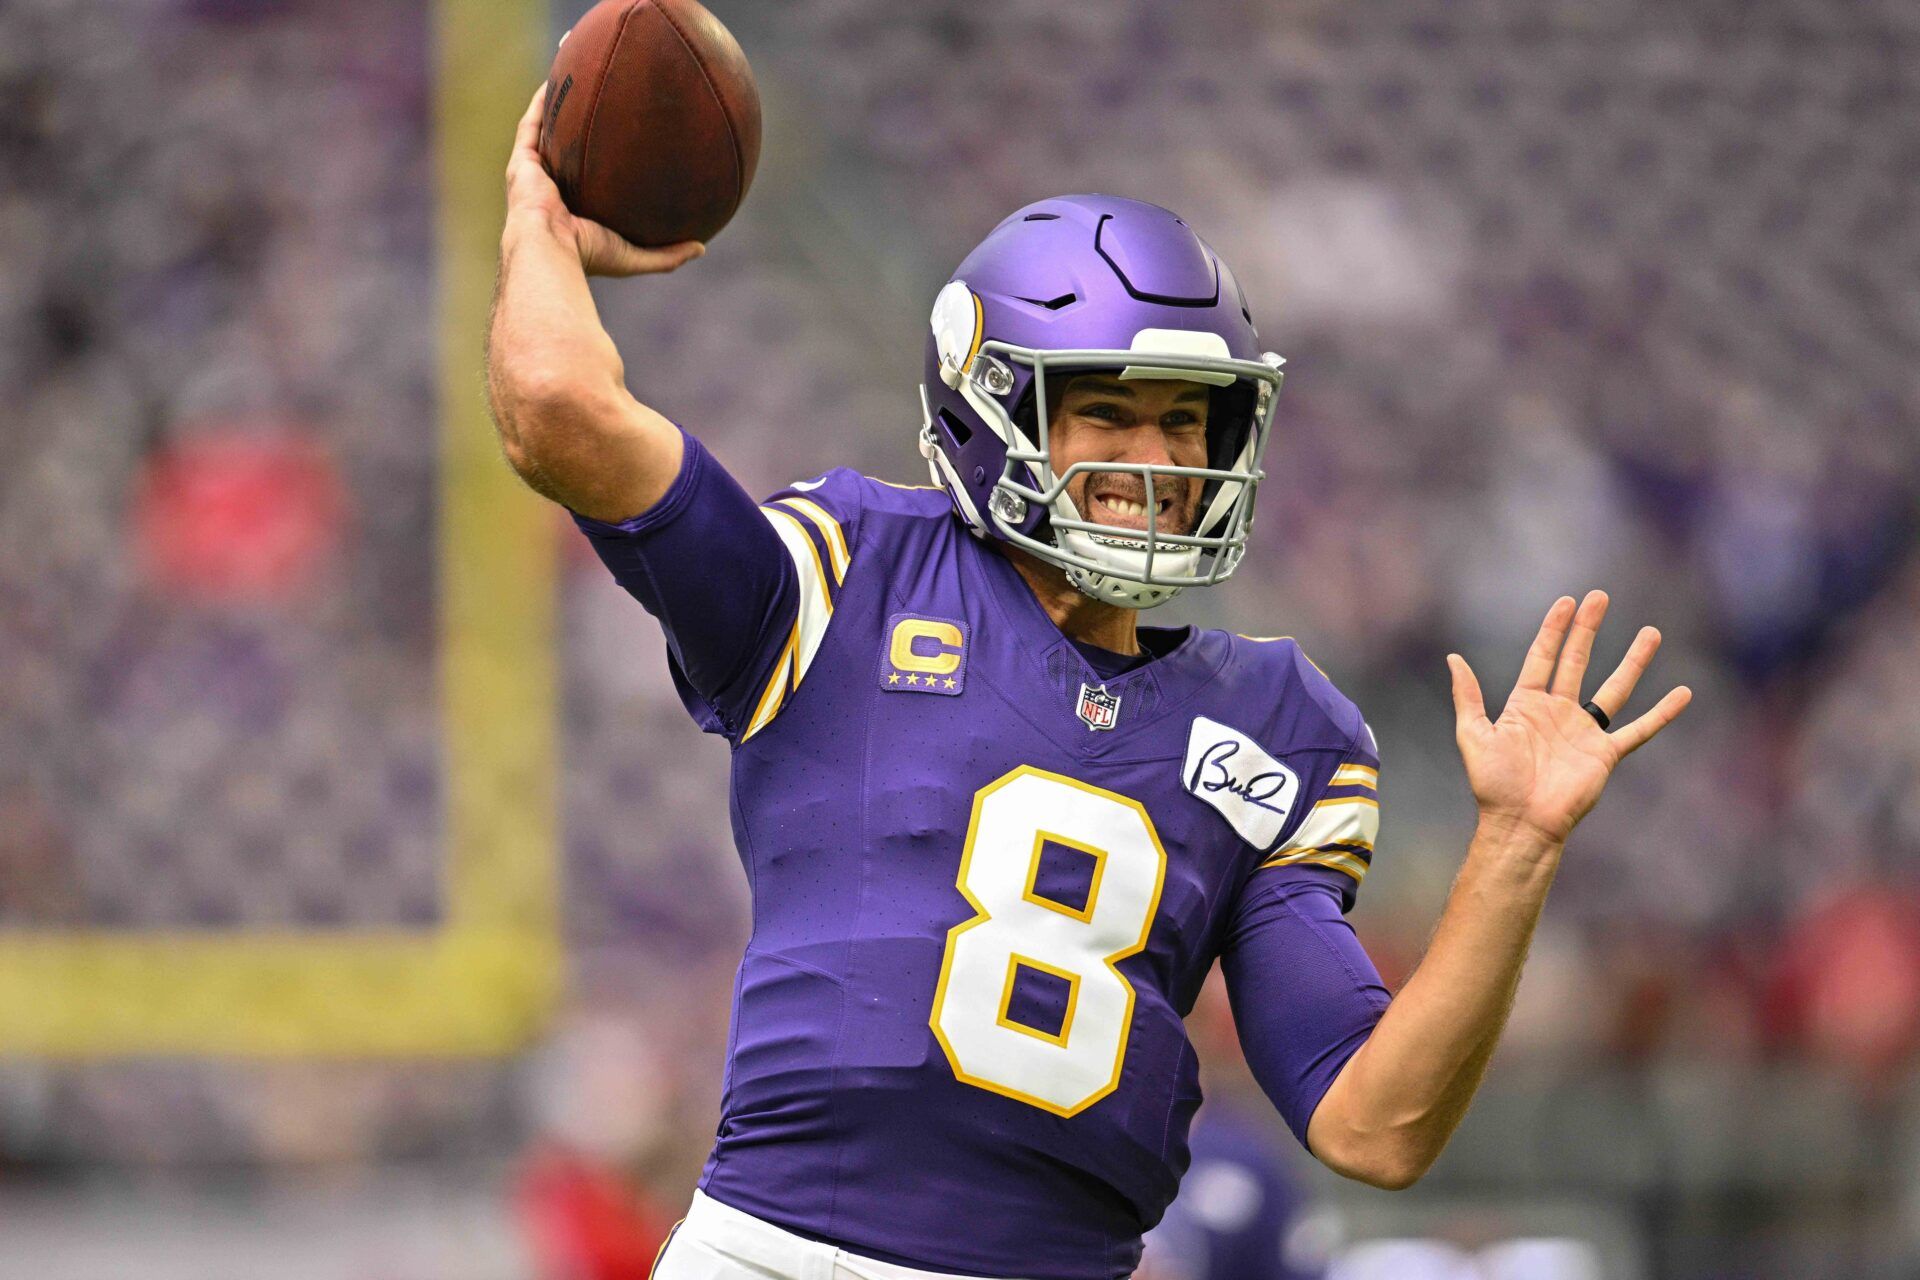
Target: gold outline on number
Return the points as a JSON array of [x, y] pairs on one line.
[[1112, 962], [1014, 963], [1032, 892]]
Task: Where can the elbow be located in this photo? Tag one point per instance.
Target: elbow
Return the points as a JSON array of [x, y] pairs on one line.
[[1390, 1158], [1394, 1171], [1389, 1142], [538, 412]]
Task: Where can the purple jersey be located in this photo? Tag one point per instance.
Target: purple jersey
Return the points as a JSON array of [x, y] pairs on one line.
[[988, 881]]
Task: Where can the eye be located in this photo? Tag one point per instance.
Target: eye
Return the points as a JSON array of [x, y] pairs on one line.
[[1100, 409]]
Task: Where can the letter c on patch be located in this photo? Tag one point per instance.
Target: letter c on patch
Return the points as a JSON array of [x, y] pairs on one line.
[[910, 652]]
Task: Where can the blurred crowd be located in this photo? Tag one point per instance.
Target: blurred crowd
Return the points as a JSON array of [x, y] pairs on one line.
[[1611, 294]]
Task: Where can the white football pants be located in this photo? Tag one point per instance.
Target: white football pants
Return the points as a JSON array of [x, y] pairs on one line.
[[719, 1242]]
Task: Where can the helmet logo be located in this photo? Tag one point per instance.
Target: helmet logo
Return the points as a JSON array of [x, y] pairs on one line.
[[957, 321], [1098, 708]]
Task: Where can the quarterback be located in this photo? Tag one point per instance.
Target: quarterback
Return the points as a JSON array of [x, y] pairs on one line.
[[997, 832]]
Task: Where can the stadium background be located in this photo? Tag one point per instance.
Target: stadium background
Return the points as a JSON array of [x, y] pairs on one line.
[[363, 888]]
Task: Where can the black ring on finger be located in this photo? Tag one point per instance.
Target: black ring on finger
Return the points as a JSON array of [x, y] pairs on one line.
[[1599, 716]]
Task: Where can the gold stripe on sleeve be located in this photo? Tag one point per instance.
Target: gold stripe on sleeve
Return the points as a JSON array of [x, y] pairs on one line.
[[776, 690], [1333, 801], [1320, 858], [829, 529]]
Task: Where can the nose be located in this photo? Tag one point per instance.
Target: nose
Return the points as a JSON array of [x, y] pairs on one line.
[[1148, 443]]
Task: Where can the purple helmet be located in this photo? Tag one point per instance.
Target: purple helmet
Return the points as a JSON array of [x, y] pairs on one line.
[[1081, 283]]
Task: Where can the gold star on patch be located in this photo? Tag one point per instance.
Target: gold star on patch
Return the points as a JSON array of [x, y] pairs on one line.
[[893, 677], [950, 682], [913, 679]]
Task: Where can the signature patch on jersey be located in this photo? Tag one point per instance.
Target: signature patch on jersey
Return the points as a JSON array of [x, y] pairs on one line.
[[1233, 773], [924, 655]]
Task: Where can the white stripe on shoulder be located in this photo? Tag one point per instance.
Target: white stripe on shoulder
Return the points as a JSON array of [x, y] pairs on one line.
[[816, 602]]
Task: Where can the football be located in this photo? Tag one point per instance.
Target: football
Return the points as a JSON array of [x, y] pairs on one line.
[[652, 120]]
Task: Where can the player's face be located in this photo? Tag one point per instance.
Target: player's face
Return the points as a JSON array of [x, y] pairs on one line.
[[1099, 418]]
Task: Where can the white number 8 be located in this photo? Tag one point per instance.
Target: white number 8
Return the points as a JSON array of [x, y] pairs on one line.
[[1067, 1070]]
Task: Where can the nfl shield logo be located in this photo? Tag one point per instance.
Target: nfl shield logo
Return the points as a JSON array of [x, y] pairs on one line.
[[1098, 708]]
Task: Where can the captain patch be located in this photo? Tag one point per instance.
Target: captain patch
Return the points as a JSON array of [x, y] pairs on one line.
[[924, 655]]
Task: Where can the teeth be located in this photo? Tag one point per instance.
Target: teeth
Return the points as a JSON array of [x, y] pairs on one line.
[[1123, 506]]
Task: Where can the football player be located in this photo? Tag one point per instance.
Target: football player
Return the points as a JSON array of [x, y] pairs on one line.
[[997, 831]]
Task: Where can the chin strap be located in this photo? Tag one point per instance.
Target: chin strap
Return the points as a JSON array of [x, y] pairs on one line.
[[1109, 590]]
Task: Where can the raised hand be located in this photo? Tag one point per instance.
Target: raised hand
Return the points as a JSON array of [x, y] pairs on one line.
[[1543, 764], [531, 191]]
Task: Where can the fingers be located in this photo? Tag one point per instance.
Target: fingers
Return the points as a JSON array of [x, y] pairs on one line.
[[526, 135], [1612, 696], [1469, 708], [604, 252], [1579, 649], [1630, 738], [672, 257], [1546, 646], [527, 178]]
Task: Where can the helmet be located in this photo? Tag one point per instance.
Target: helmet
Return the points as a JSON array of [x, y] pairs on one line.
[[1082, 283]]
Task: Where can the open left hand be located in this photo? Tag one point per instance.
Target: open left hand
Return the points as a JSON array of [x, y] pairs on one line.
[[1543, 764]]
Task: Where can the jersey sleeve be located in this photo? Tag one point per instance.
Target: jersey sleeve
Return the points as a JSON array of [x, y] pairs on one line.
[[744, 591], [1333, 843], [1305, 994]]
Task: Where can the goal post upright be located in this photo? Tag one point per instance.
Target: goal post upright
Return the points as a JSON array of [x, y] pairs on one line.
[[484, 978]]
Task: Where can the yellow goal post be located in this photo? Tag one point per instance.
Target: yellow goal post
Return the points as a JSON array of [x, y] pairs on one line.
[[483, 981]]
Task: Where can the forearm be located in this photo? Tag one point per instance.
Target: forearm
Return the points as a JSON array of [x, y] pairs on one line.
[[1534, 774], [1392, 1109], [545, 335], [557, 384]]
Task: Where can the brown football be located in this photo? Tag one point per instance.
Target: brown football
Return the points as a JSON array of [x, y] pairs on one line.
[[652, 122]]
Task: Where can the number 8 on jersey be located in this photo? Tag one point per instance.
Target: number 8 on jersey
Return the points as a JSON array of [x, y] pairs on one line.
[[1015, 818]]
